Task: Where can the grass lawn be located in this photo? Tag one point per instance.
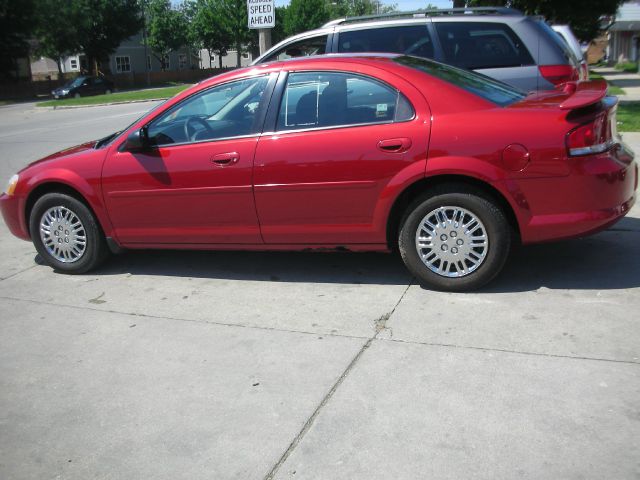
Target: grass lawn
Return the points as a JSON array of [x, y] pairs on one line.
[[628, 117], [117, 97], [613, 89]]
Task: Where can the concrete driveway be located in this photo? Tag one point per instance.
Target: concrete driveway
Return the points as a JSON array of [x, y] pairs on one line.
[[167, 365]]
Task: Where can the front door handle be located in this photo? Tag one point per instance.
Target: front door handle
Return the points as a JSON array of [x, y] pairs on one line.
[[395, 145], [224, 159]]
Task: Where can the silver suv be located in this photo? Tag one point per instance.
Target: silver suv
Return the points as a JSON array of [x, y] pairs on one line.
[[499, 42]]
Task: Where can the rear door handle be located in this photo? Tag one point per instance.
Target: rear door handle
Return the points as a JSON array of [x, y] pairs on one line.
[[395, 145], [223, 159]]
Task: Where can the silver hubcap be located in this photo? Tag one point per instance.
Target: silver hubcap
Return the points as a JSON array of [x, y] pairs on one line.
[[63, 234], [452, 241]]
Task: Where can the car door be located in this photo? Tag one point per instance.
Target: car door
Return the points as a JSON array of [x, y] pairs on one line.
[[339, 139], [193, 184]]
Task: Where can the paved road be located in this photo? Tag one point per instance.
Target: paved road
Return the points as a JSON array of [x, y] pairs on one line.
[[168, 365]]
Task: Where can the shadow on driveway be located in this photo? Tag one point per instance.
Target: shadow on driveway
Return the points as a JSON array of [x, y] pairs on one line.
[[609, 260]]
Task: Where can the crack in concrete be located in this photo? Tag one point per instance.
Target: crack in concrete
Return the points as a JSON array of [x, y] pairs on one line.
[[380, 325]]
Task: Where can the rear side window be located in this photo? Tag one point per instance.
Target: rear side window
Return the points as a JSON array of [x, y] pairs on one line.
[[476, 45], [313, 99], [301, 48], [407, 39], [480, 85]]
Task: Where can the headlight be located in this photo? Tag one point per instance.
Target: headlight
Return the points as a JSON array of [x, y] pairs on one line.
[[64, 92], [11, 186]]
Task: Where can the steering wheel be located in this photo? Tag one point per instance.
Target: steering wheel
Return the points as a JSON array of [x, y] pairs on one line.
[[188, 127]]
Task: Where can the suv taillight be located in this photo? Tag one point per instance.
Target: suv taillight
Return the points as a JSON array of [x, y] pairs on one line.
[[558, 74], [592, 137]]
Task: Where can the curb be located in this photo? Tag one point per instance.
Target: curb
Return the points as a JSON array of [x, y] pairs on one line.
[[68, 107]]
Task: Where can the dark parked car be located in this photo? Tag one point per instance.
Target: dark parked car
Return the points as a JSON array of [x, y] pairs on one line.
[[84, 86]]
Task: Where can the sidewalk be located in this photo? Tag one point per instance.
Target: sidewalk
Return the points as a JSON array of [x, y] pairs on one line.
[[629, 82]]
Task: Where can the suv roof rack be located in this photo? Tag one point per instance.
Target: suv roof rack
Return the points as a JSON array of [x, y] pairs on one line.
[[427, 13]]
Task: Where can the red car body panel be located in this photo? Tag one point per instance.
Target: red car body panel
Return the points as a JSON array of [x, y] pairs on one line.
[[335, 187]]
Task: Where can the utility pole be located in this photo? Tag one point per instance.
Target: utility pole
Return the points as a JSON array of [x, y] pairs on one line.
[[264, 39], [144, 40]]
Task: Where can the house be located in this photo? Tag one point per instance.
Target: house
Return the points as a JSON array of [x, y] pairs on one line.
[[132, 57], [228, 61], [624, 33]]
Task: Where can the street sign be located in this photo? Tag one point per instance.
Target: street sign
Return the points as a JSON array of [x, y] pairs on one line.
[[262, 13]]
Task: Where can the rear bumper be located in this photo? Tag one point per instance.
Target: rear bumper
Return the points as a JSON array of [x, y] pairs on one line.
[[599, 191], [12, 208]]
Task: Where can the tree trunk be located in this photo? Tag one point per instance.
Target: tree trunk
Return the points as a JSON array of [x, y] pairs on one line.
[[210, 62], [60, 74], [238, 56], [220, 59]]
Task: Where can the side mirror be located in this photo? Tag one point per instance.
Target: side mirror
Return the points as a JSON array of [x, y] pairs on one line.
[[136, 141]]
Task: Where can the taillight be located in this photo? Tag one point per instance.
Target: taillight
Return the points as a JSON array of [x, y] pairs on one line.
[[558, 74], [593, 137]]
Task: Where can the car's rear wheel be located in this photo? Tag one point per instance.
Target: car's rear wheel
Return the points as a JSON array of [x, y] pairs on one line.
[[77, 95], [66, 234], [454, 239]]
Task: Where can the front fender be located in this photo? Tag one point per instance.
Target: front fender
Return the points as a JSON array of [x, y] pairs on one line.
[[89, 189]]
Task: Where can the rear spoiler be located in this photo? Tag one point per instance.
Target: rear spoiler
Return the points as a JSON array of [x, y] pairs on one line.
[[582, 94]]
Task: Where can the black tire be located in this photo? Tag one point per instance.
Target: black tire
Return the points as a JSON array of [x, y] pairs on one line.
[[497, 230], [77, 95], [96, 250]]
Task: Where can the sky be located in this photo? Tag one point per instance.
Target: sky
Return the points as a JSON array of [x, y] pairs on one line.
[[402, 4]]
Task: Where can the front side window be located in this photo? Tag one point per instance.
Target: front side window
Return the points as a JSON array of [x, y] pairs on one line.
[[407, 39], [313, 99], [123, 64], [476, 45], [301, 48], [224, 111]]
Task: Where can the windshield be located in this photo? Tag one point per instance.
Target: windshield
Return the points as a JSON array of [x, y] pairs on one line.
[[75, 82], [480, 85]]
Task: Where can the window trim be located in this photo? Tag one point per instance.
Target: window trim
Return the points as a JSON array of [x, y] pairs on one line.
[[260, 114], [271, 120]]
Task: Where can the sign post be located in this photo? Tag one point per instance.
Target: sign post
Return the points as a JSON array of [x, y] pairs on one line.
[[262, 17]]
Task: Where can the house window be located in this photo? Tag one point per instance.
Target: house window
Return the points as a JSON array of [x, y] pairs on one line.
[[245, 55], [165, 62], [73, 63], [182, 61], [149, 62], [123, 64]]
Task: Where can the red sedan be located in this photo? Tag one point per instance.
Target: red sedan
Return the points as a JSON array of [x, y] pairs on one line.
[[371, 152]]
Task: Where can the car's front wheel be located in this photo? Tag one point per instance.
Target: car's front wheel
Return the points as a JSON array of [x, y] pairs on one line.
[[66, 233], [455, 239]]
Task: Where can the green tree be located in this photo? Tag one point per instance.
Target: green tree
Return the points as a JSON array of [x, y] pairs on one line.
[[582, 15], [206, 28], [356, 8], [305, 15], [102, 25], [57, 39], [235, 25], [17, 23], [278, 33], [166, 28]]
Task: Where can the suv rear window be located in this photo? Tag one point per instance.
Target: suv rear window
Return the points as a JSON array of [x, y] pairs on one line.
[[407, 39], [476, 45], [480, 85]]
